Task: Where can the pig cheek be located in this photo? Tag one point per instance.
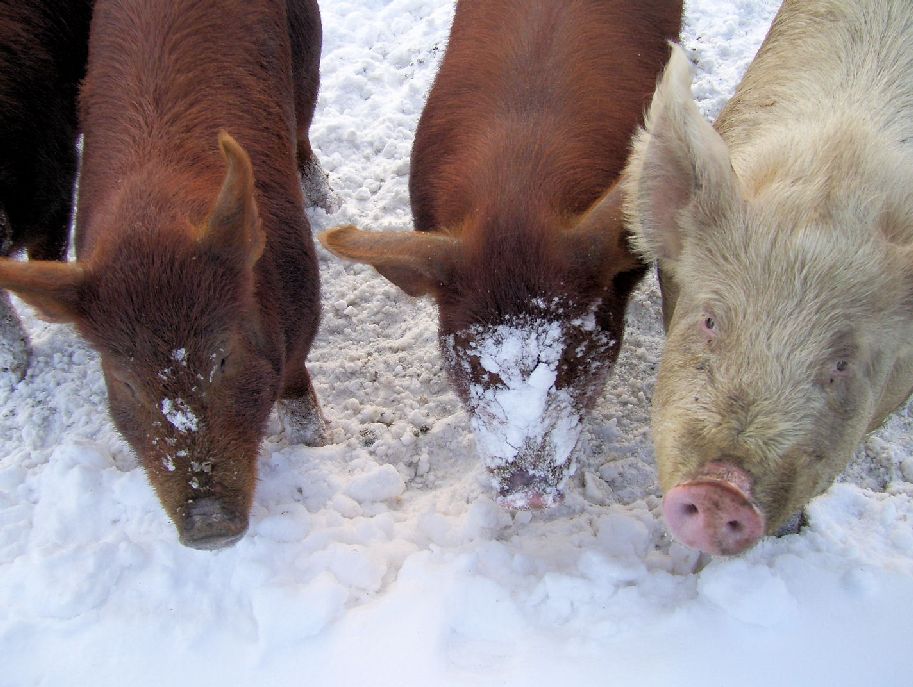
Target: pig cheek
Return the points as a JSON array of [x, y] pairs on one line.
[[678, 422]]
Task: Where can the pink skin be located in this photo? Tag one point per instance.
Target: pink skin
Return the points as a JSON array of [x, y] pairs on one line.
[[714, 512]]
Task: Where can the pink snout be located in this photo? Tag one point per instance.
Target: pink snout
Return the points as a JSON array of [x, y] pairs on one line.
[[714, 516]]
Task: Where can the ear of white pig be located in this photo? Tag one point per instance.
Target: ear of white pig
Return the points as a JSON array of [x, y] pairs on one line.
[[418, 262], [52, 288], [234, 228], [678, 162], [600, 241]]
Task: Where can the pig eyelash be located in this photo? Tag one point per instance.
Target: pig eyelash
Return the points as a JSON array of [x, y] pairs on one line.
[[129, 387]]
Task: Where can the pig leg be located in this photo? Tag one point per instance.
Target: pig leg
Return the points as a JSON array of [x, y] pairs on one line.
[[315, 184], [39, 210], [305, 31], [14, 345], [299, 411]]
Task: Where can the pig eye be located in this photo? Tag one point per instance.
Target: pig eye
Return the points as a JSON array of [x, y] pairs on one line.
[[130, 389], [839, 369], [127, 387], [709, 326]]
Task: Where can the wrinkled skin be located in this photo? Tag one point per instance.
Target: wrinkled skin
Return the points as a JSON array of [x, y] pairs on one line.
[[786, 251]]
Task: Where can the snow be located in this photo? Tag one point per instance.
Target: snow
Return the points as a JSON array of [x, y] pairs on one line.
[[524, 421], [179, 414], [383, 557]]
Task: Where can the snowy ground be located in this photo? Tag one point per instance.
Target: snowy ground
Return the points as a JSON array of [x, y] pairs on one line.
[[382, 559]]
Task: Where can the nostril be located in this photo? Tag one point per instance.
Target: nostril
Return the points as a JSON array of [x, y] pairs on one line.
[[690, 509], [209, 524], [521, 479], [734, 526]]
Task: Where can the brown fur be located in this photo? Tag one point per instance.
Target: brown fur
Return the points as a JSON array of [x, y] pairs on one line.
[[517, 152], [198, 285]]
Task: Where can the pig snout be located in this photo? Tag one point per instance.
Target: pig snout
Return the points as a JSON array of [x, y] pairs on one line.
[[210, 524], [523, 491], [713, 512]]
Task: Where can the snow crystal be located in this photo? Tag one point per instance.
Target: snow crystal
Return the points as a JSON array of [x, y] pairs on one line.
[[179, 414]]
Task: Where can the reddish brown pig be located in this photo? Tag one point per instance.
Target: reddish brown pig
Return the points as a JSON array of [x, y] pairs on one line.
[[196, 277], [519, 229], [42, 60], [785, 237]]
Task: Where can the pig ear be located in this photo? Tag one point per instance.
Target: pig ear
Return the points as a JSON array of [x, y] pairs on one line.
[[678, 163], [599, 240], [418, 262], [53, 288], [234, 227]]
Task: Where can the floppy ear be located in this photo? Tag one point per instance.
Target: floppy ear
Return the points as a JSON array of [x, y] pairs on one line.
[[53, 288], [234, 228], [599, 240], [418, 262], [678, 165]]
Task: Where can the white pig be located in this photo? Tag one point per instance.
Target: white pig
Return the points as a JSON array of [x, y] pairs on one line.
[[784, 236]]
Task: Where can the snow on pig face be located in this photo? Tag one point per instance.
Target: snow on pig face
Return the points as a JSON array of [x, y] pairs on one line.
[[531, 315], [191, 370], [525, 382]]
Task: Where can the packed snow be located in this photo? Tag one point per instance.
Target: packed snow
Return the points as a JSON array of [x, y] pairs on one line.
[[382, 558], [522, 422]]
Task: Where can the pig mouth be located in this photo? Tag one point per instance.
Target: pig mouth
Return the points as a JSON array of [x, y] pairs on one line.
[[209, 524], [521, 490]]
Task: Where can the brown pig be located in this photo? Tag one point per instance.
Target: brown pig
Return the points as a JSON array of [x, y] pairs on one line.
[[196, 277], [785, 238], [519, 234], [43, 45]]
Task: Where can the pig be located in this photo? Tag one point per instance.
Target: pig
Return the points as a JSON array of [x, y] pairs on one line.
[[784, 235], [518, 224], [42, 62], [196, 278]]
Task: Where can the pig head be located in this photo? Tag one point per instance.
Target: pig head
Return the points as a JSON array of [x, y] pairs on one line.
[[789, 267], [191, 365], [530, 323]]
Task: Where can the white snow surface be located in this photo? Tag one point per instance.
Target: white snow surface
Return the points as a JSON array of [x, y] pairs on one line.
[[382, 558]]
